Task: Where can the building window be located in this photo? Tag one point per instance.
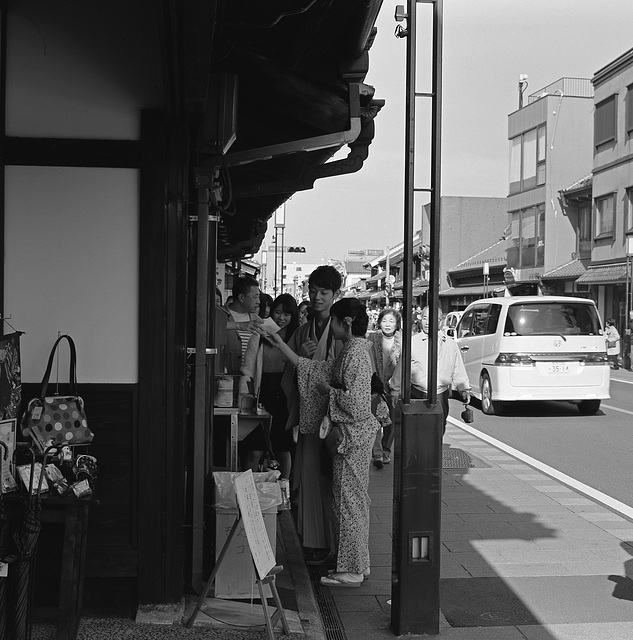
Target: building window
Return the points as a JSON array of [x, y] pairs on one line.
[[605, 215], [584, 231], [527, 160], [605, 119], [540, 156], [528, 238], [628, 203], [629, 110]]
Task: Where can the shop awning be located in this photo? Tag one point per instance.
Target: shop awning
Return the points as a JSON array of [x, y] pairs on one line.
[[604, 274], [277, 90], [377, 278]]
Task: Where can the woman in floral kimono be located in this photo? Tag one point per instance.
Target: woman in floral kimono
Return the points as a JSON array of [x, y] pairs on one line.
[[349, 391]]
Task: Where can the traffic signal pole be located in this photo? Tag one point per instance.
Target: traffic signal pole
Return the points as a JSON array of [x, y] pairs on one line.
[[418, 467]]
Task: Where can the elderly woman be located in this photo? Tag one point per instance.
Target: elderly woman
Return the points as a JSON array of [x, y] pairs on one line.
[[386, 345], [349, 400]]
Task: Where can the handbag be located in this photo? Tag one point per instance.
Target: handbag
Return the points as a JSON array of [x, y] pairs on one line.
[[57, 420]]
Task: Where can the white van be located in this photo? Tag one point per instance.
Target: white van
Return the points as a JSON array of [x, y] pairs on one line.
[[534, 348]]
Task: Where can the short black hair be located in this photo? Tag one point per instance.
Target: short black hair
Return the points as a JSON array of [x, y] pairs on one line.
[[242, 285], [326, 277]]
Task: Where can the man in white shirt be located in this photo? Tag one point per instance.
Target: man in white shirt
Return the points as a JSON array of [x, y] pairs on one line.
[[450, 367]]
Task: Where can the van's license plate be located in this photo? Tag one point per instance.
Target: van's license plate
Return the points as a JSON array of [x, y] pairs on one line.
[[558, 367]]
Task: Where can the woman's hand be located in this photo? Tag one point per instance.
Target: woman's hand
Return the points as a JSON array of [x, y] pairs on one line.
[[275, 338], [323, 387]]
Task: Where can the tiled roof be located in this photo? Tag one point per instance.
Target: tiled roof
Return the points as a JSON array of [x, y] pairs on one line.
[[568, 271], [604, 274], [494, 254], [583, 183]]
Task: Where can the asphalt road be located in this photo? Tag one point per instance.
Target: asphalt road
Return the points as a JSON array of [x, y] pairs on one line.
[[595, 450]]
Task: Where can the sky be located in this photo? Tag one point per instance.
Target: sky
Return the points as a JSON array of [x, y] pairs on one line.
[[487, 45]]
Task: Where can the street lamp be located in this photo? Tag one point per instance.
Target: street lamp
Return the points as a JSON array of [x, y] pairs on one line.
[[486, 270]]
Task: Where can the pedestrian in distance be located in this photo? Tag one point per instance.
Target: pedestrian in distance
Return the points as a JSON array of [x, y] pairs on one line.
[[612, 338], [386, 347]]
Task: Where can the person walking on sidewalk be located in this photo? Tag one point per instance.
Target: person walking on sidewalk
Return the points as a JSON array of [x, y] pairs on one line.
[[612, 338], [386, 347], [450, 367], [348, 392]]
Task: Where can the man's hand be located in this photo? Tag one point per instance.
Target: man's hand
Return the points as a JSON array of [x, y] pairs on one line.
[[308, 349], [465, 393], [323, 387]]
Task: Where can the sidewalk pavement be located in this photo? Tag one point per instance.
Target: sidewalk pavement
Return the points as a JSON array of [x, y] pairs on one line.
[[524, 557]]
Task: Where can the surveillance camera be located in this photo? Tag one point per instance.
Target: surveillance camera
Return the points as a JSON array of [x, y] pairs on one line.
[[400, 13]]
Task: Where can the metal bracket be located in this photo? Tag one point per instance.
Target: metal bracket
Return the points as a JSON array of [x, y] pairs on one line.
[[209, 352]]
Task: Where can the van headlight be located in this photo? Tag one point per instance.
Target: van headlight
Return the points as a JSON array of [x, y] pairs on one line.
[[514, 360]]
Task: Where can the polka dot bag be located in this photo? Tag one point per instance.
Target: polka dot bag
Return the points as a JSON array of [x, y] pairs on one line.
[[57, 420]]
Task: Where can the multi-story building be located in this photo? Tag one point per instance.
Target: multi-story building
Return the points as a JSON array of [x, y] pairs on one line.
[[611, 230], [550, 148], [468, 224]]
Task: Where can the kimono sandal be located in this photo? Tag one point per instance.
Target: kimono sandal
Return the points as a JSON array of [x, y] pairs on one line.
[[343, 580], [366, 573]]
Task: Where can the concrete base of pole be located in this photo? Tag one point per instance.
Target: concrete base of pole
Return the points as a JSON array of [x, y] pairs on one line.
[[415, 606]]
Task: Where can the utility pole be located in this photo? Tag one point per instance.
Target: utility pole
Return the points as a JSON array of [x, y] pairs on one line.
[[418, 468]]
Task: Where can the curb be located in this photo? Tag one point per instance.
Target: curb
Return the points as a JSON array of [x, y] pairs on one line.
[[309, 613]]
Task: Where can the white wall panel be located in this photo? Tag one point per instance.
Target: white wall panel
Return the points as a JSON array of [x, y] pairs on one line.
[[71, 266]]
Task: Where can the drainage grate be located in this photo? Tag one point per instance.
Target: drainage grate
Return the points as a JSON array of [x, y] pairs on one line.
[[459, 459], [332, 623]]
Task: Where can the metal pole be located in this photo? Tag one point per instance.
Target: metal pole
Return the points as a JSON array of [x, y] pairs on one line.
[[433, 295], [409, 175], [276, 252], [201, 390], [281, 288]]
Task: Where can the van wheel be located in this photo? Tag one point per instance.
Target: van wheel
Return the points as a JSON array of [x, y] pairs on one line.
[[487, 405], [589, 407]]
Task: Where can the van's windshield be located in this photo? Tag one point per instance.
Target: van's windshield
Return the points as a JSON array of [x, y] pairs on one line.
[[559, 318]]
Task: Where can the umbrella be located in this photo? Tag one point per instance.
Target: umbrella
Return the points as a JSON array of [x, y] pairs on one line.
[[25, 539]]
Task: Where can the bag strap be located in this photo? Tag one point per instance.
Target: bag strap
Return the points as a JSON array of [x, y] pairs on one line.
[[72, 373]]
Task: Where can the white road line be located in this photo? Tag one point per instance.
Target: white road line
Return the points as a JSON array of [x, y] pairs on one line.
[[608, 406], [608, 501], [620, 380]]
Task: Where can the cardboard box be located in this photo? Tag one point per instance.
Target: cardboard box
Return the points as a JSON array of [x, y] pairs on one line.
[[236, 577]]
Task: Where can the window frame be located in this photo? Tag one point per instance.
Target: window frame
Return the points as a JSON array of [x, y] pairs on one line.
[[628, 213], [628, 111], [518, 161], [585, 229], [599, 232], [603, 130], [537, 214]]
